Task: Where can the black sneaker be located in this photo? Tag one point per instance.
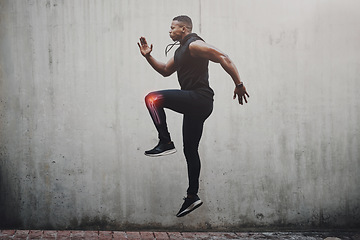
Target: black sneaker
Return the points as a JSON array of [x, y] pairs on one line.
[[161, 149], [189, 205]]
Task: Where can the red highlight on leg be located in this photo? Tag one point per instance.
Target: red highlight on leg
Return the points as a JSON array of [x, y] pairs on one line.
[[151, 103], [152, 99]]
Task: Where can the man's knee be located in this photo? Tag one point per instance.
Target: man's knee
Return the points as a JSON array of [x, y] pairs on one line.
[[152, 97], [148, 97]]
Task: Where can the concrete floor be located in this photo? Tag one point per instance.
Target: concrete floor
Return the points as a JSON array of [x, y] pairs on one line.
[[56, 235]]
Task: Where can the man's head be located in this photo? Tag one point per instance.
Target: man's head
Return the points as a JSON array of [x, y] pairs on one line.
[[180, 27]]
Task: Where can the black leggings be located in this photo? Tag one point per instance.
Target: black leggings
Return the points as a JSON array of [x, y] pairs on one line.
[[196, 109]]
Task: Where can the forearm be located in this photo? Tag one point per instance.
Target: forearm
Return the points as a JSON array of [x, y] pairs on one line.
[[230, 68], [157, 65]]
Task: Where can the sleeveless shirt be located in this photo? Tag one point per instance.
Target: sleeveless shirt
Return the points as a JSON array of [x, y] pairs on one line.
[[192, 72]]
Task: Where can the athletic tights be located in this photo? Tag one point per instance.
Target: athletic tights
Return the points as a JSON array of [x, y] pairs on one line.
[[195, 108]]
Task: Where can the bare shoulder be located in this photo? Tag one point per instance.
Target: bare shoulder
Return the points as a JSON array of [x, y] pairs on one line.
[[200, 48], [198, 44]]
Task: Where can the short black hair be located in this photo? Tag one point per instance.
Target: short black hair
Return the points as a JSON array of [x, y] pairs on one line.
[[184, 19]]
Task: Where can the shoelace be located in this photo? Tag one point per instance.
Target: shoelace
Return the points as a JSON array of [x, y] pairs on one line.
[[171, 46]]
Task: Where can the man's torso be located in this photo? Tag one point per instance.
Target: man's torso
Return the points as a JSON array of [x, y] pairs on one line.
[[192, 72]]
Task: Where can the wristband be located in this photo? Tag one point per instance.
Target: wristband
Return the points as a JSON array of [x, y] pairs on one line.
[[240, 85]]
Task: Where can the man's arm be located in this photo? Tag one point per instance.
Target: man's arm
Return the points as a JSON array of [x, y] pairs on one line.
[[201, 49], [165, 69]]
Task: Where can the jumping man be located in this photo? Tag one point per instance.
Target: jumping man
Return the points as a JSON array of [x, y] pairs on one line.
[[194, 100]]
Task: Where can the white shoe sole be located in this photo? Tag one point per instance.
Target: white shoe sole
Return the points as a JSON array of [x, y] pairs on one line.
[[167, 152], [191, 208]]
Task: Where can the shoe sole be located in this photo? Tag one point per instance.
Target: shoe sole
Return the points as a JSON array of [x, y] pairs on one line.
[[191, 208], [167, 152]]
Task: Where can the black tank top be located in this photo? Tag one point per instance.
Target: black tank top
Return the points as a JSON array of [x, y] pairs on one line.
[[193, 73]]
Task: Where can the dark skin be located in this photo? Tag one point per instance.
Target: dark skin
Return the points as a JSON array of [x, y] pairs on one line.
[[197, 49]]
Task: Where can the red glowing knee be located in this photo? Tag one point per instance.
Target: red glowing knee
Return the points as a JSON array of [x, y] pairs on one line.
[[151, 98]]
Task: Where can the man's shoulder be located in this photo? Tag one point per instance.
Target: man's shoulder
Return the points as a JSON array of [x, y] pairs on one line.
[[197, 44]]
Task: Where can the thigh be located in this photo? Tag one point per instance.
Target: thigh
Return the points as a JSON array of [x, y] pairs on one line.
[[185, 102]]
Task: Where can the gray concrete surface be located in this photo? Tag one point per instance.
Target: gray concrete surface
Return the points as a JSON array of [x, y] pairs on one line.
[[108, 235], [73, 124]]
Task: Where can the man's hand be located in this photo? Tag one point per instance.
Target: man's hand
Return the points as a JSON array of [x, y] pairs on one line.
[[241, 93], [145, 50]]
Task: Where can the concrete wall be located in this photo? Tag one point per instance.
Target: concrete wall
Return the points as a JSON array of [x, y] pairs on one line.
[[74, 125]]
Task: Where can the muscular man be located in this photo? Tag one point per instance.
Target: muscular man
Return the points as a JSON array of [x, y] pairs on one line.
[[194, 100]]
